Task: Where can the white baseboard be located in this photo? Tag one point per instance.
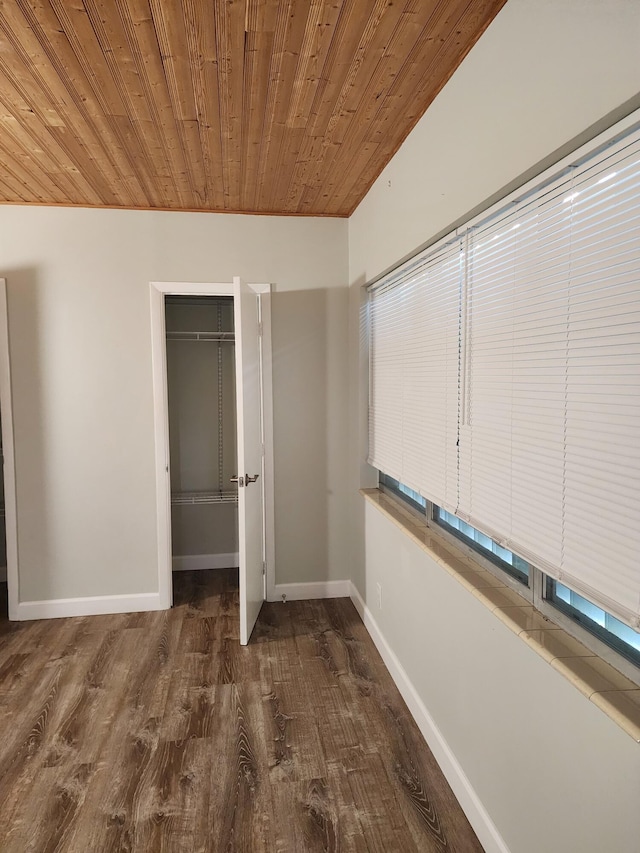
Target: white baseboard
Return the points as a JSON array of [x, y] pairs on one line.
[[305, 591], [476, 813], [191, 562], [94, 605]]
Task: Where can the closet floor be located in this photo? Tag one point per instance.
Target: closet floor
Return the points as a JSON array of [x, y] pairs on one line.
[[159, 732]]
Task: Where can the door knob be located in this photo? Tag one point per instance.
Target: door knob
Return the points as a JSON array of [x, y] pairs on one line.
[[249, 479], [238, 480]]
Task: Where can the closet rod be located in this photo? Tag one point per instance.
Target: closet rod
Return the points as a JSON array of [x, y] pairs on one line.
[[192, 498], [217, 337]]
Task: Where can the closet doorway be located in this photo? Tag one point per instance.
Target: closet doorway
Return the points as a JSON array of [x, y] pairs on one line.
[[203, 454], [212, 394]]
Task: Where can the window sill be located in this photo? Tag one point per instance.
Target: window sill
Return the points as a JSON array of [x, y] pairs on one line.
[[596, 679]]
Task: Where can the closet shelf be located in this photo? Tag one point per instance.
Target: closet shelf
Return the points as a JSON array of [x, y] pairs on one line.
[[189, 498], [217, 337]]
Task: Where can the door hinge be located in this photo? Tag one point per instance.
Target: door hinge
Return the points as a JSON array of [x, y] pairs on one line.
[[260, 329], [264, 568]]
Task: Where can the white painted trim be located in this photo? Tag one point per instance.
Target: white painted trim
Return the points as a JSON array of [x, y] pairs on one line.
[[8, 449], [268, 483], [472, 806], [261, 289], [93, 605], [196, 288], [158, 291], [161, 442], [196, 562], [305, 591]]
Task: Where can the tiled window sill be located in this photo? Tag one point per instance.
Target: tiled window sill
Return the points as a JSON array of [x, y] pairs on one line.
[[601, 683]]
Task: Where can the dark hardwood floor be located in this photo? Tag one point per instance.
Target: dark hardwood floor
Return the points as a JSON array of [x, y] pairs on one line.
[[158, 732]]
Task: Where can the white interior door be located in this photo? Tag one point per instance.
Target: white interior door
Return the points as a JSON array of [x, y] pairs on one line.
[[250, 515]]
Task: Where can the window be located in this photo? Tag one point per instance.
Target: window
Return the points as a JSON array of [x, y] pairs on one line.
[[483, 544], [415, 500], [505, 383], [594, 619]]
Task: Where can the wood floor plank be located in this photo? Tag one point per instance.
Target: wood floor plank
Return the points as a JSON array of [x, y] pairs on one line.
[[378, 810], [295, 748], [351, 835], [313, 823], [240, 813], [159, 733]]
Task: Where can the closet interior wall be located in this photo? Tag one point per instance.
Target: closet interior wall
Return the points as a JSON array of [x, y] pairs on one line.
[[202, 431]]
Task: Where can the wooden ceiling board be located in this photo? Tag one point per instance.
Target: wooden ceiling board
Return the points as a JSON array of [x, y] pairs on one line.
[[43, 57], [19, 96], [260, 34], [146, 64], [288, 38], [258, 106], [123, 60]]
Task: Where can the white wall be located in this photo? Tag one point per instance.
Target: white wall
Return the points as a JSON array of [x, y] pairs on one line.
[[80, 344], [542, 74], [554, 773]]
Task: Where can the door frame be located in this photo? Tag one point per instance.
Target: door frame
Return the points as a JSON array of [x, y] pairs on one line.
[[8, 450], [158, 291]]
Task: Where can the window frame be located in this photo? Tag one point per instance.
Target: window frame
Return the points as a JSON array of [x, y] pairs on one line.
[[387, 484], [512, 571], [525, 590], [608, 637], [581, 633]]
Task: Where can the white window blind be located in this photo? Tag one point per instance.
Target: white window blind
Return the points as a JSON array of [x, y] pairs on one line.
[[512, 438], [505, 376], [550, 439], [413, 392], [601, 520], [387, 320]]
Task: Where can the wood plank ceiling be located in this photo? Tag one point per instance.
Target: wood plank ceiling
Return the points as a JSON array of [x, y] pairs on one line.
[[271, 106]]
